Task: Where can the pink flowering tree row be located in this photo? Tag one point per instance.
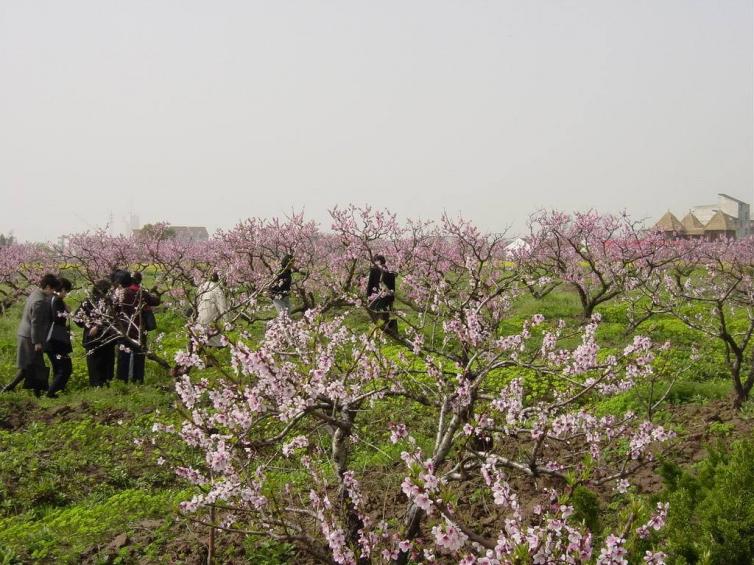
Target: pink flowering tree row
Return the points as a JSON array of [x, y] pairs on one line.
[[463, 404], [600, 257]]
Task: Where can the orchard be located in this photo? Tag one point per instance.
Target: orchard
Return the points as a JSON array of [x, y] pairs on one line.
[[478, 420]]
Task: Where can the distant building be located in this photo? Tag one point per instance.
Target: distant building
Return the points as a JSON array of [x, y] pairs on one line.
[[179, 233], [729, 218], [190, 233], [670, 226]]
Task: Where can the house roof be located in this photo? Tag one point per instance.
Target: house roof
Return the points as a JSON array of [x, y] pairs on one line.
[[669, 223], [692, 225], [721, 222]]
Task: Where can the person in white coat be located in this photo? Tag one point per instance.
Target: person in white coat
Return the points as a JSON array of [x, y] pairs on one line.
[[212, 307]]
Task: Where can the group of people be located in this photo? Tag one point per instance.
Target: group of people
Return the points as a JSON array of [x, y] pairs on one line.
[[116, 316], [380, 290]]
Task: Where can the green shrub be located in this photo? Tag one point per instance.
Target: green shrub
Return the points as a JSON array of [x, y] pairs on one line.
[[586, 507], [711, 517], [699, 392]]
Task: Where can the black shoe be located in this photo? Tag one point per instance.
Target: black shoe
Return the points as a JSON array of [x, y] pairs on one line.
[[52, 394]]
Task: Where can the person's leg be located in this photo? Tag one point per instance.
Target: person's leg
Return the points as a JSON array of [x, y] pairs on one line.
[[107, 366], [57, 374], [20, 376], [24, 351], [67, 364], [92, 367], [124, 365], [379, 311], [374, 309], [391, 325], [140, 359], [40, 375]]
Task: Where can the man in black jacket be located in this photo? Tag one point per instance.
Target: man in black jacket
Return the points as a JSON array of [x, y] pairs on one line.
[[31, 336], [58, 346], [280, 289], [381, 291]]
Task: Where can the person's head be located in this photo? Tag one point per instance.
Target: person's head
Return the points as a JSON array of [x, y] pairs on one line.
[[122, 279], [101, 288], [286, 261], [379, 260], [114, 275], [214, 277], [136, 277], [49, 283], [65, 287]]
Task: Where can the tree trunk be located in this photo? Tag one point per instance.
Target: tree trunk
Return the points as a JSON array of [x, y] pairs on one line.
[[415, 516], [354, 523]]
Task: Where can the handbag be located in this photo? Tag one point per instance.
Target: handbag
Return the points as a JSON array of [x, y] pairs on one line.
[[148, 320], [36, 376]]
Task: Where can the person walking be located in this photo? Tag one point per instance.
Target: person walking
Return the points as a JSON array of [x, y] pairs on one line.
[[211, 307], [95, 317], [31, 336], [58, 346], [381, 293], [130, 300], [280, 289]]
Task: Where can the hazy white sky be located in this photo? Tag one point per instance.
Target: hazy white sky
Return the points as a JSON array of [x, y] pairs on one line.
[[202, 113]]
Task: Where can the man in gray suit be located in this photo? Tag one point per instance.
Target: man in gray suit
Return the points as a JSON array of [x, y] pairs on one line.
[[32, 335]]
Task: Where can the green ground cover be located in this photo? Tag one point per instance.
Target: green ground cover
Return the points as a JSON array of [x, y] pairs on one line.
[[80, 480]]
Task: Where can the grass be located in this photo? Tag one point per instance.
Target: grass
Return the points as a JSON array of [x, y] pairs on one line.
[[75, 472], [64, 534]]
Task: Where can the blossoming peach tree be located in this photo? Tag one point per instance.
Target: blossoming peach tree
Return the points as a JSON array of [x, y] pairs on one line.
[[710, 288], [599, 256], [448, 440], [21, 267]]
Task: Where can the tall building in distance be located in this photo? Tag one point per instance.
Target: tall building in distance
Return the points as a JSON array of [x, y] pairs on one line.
[[729, 217], [133, 222]]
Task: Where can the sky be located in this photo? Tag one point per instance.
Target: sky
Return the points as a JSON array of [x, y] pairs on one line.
[[205, 113]]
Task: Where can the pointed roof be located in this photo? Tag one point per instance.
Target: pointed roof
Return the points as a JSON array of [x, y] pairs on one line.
[[692, 225], [721, 222], [669, 223]]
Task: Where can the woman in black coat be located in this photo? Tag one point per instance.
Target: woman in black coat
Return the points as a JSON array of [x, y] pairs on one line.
[[58, 345], [130, 302], [99, 340]]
